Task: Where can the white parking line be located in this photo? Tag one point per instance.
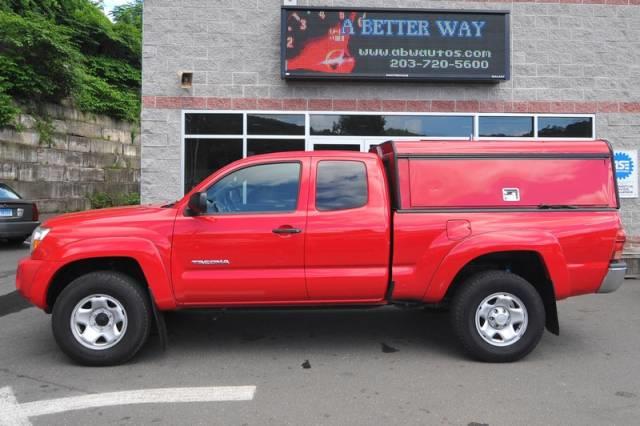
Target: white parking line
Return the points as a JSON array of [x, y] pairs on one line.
[[13, 413]]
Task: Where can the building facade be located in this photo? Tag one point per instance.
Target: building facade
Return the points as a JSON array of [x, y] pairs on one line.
[[213, 93]]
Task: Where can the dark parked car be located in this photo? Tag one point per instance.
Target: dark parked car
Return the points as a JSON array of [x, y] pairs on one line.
[[18, 217]]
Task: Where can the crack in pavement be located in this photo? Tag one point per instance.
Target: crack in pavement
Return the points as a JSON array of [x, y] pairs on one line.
[[35, 379]]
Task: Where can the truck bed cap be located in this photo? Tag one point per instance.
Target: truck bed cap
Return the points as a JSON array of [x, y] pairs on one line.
[[431, 147]]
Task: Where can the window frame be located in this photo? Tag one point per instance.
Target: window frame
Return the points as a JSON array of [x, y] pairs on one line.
[[315, 185], [270, 212], [310, 140]]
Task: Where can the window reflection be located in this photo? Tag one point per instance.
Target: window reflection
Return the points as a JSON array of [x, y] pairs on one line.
[[275, 124], [335, 147], [505, 127], [262, 188], [341, 185], [565, 127], [205, 156], [391, 125], [266, 146], [213, 124]]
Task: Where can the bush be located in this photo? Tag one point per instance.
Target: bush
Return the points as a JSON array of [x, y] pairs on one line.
[[101, 200]]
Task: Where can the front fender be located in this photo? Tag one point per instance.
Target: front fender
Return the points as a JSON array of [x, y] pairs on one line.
[[154, 263], [544, 244]]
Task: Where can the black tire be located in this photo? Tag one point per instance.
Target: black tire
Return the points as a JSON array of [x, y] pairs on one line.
[[467, 301], [16, 240], [135, 302]]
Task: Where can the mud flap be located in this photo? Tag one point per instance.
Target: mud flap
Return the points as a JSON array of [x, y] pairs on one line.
[[161, 326]]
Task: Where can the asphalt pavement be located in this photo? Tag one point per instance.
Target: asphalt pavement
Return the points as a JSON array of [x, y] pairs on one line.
[[333, 367]]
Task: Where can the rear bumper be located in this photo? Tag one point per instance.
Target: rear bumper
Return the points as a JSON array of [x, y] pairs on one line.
[[614, 278], [17, 229]]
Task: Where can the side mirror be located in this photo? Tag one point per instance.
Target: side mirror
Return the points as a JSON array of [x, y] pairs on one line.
[[197, 204]]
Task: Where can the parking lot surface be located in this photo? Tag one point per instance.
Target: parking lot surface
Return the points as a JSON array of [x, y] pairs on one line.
[[334, 367]]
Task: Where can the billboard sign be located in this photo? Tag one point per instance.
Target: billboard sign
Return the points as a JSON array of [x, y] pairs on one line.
[[394, 44]]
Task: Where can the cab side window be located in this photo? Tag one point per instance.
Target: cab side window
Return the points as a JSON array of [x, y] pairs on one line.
[[257, 189], [341, 185]]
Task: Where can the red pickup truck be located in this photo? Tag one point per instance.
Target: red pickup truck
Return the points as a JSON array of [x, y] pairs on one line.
[[496, 231]]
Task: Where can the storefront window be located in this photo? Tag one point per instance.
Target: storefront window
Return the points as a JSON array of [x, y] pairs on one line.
[[275, 124], [505, 126], [391, 125], [215, 139], [335, 147], [205, 156], [213, 124], [266, 146], [565, 127]]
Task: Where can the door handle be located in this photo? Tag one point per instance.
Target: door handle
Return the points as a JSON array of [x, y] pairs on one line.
[[283, 230]]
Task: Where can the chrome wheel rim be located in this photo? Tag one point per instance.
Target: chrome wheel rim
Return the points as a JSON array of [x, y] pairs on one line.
[[98, 322], [501, 319]]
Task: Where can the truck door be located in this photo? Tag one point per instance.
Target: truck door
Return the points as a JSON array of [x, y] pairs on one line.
[[347, 234], [249, 246]]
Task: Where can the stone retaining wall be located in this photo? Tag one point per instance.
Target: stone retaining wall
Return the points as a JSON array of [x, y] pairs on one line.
[[75, 155]]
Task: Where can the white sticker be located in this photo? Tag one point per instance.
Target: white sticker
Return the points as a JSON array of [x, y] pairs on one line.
[[627, 172], [510, 194]]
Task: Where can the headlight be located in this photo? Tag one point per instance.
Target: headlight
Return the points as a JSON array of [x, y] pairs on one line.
[[37, 236]]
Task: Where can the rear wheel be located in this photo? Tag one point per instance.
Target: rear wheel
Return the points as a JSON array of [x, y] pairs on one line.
[[102, 318], [498, 316]]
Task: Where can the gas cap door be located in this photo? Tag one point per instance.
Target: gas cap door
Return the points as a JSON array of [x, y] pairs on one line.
[[458, 229]]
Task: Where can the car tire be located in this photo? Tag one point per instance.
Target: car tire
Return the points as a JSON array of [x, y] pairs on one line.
[[498, 316], [102, 318], [17, 240]]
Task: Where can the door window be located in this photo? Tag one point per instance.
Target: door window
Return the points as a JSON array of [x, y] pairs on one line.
[[341, 185], [257, 189]]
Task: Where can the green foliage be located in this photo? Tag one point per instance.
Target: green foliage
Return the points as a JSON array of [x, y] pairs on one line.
[[45, 129], [8, 111], [114, 71], [37, 58], [101, 200], [96, 95], [68, 49]]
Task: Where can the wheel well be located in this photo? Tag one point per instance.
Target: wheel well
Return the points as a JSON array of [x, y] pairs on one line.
[[71, 271], [527, 264]]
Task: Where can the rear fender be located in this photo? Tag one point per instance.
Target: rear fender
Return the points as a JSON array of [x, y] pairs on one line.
[[545, 244], [152, 262]]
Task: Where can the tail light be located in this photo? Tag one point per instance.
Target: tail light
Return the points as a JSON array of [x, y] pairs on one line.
[[619, 244], [35, 214]]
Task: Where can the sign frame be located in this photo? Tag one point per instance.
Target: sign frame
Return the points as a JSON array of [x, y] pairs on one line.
[[379, 77]]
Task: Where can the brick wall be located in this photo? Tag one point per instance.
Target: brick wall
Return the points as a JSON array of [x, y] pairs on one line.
[[567, 56]]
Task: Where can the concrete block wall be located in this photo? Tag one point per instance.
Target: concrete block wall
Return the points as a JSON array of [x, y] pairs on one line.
[[567, 56], [86, 154]]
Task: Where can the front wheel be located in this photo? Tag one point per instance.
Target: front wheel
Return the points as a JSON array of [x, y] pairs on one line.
[[102, 318], [498, 316]]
